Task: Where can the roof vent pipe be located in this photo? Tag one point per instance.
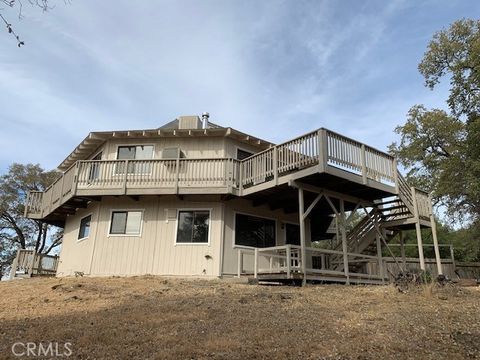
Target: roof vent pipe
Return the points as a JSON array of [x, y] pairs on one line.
[[205, 117]]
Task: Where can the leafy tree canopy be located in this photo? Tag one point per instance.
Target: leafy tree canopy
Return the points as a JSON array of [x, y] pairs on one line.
[[440, 150], [15, 230]]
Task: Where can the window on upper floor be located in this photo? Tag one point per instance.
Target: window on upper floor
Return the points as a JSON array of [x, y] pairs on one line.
[[193, 226], [172, 153], [254, 231], [243, 154], [84, 230], [126, 223], [135, 152]]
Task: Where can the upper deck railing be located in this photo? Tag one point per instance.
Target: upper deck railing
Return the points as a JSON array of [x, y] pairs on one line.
[[322, 148]]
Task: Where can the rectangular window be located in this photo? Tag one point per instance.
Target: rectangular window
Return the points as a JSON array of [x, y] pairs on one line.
[[84, 227], [126, 223], [193, 226], [254, 231], [94, 172], [243, 154], [135, 152]]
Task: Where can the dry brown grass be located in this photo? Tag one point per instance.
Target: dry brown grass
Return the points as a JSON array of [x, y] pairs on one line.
[[152, 317]]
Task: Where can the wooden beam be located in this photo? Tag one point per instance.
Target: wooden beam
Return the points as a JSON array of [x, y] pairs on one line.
[[435, 240], [418, 230], [312, 205], [343, 226], [334, 194], [301, 208]]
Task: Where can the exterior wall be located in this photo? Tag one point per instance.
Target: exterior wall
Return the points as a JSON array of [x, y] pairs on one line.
[[232, 207], [208, 147], [154, 251], [232, 145], [76, 255]]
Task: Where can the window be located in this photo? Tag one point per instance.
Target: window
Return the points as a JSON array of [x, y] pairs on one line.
[[243, 154], [126, 223], [94, 172], [171, 153], [254, 231], [135, 152], [84, 227], [193, 226], [292, 233]]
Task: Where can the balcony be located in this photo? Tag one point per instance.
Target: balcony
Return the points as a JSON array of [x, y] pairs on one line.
[[321, 157]]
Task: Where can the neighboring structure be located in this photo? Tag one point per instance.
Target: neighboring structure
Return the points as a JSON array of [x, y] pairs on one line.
[[195, 199]]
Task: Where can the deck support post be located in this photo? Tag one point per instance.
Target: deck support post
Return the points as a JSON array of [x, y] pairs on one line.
[[402, 250], [343, 228], [418, 230], [289, 261], [379, 252], [255, 270], [452, 255], [301, 206], [435, 239]]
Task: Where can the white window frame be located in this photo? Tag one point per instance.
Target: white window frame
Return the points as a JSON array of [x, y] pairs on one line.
[[209, 227], [234, 242], [126, 235], [79, 225], [129, 145], [135, 144]]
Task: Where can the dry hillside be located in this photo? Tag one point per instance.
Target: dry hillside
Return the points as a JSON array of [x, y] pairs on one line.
[[152, 317]]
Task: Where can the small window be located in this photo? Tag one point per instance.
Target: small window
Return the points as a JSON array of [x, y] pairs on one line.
[[254, 231], [172, 153], [84, 227], [193, 226], [243, 154], [126, 223]]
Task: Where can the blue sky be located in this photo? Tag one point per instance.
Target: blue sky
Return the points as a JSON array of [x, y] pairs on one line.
[[275, 69]]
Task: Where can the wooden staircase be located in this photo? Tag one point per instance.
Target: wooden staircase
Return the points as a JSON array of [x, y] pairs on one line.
[[389, 214]]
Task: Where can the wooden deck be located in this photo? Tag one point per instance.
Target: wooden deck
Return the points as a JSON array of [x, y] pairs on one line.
[[318, 157], [284, 264]]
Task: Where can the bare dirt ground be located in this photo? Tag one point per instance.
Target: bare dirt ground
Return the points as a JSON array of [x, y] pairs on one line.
[[158, 318]]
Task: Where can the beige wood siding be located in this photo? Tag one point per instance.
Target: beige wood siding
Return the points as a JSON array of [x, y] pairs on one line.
[[154, 251], [76, 255], [232, 145], [245, 207], [208, 147]]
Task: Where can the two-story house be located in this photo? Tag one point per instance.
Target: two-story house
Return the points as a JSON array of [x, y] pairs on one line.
[[192, 198]]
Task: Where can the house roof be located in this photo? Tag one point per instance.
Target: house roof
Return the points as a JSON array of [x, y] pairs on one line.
[[170, 130]]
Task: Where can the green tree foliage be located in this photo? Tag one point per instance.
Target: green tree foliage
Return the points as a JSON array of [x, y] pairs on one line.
[[15, 230], [455, 52], [439, 150]]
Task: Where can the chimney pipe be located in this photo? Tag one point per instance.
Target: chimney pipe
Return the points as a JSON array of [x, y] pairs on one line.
[[205, 117]]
